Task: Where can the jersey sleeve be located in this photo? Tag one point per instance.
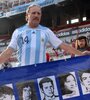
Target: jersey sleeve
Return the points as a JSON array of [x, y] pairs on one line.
[[54, 41], [13, 42]]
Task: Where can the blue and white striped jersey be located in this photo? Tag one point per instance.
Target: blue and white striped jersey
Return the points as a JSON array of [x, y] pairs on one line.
[[31, 43]]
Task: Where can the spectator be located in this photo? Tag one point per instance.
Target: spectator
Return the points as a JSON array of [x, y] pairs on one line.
[[51, 59], [82, 43], [47, 57]]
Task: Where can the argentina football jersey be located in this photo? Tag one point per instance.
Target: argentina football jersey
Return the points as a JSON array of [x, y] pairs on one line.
[[31, 44]]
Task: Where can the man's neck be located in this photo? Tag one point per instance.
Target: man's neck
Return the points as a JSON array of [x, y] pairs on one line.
[[32, 26]]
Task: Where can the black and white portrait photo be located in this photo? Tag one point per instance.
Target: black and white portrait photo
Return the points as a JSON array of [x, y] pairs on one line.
[[48, 88], [26, 91], [84, 77], [6, 92], [68, 85]]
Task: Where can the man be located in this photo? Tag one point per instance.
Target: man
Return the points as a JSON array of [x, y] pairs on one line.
[[27, 93], [47, 88], [82, 44], [31, 40]]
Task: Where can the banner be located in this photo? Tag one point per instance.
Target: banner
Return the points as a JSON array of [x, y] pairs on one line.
[[59, 80], [74, 30]]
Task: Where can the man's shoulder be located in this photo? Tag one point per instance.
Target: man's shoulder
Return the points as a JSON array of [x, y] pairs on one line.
[[43, 27], [21, 27]]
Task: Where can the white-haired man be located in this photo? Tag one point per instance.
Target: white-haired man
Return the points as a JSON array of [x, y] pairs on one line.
[[31, 40]]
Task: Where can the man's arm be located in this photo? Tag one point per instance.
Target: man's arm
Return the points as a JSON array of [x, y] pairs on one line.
[[6, 54], [70, 49]]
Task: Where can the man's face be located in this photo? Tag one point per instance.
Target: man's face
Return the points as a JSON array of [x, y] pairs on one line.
[[86, 80], [26, 93], [48, 89], [34, 16], [81, 43]]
